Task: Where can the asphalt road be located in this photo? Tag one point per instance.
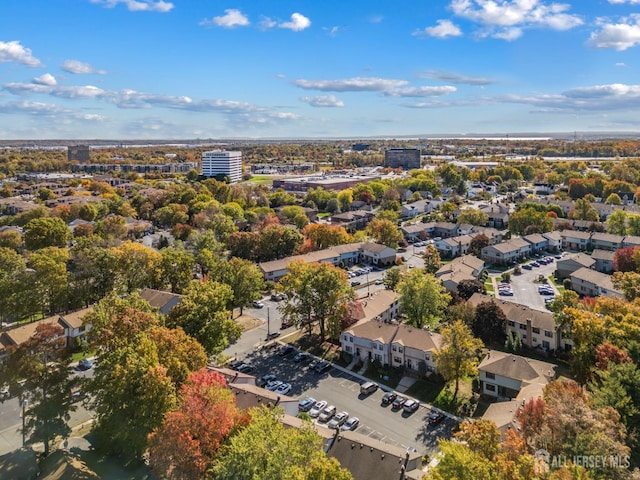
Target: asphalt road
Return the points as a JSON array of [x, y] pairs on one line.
[[525, 287]]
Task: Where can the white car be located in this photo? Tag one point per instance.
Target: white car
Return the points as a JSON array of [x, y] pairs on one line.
[[283, 389], [351, 424], [338, 420], [317, 408], [272, 385]]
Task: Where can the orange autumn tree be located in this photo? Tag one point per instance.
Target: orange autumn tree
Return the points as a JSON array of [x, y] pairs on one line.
[[186, 444]]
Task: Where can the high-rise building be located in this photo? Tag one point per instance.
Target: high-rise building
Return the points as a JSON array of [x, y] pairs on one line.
[[220, 164], [406, 158], [79, 153]]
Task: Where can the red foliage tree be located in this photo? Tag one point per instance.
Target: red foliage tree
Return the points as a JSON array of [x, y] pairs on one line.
[[186, 444], [624, 260], [531, 418], [607, 352]]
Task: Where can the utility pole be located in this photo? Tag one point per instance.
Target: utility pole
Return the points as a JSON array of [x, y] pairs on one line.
[[268, 324], [25, 402]]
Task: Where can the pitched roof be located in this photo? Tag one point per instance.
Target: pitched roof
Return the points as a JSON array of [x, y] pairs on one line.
[[601, 280], [605, 255], [17, 336], [518, 313], [75, 319], [373, 330], [527, 370], [249, 396], [535, 238], [606, 237], [579, 258], [510, 245], [318, 256], [418, 338], [160, 299], [378, 303]]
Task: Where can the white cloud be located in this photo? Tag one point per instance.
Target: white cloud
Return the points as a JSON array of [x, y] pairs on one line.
[[332, 32], [47, 110], [375, 19], [443, 29], [77, 67], [231, 19], [138, 5], [620, 64], [14, 52], [620, 2], [298, 23], [323, 101], [619, 36], [267, 23], [421, 91], [457, 78], [506, 19], [46, 79], [356, 84]]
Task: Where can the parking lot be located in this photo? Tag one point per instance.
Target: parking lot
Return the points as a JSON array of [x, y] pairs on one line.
[[525, 286], [339, 388]]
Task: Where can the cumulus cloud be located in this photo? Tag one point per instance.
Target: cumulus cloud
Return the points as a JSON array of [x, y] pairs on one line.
[[232, 18], [507, 19], [620, 2], [332, 32], [619, 36], [78, 68], [46, 79], [356, 84], [457, 78], [323, 101], [40, 109], [420, 91], [14, 52], [297, 23], [443, 29], [138, 5], [267, 23]]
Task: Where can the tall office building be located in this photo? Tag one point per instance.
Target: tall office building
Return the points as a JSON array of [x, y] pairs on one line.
[[79, 153], [219, 164], [406, 158]]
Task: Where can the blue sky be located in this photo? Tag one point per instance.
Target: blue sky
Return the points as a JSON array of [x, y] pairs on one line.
[[182, 69]]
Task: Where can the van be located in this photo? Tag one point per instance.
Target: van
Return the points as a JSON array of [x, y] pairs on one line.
[[367, 388]]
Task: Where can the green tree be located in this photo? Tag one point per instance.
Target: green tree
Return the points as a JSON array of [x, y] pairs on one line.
[[12, 268], [138, 266], [473, 216], [458, 355], [523, 218], [277, 241], [583, 210], [10, 239], [112, 227], [613, 199], [38, 371], [203, 314], [478, 242], [91, 268], [423, 299], [176, 268], [49, 281], [392, 277], [46, 232], [490, 323], [345, 199], [317, 293], [266, 449], [384, 232], [244, 278], [432, 261], [617, 222]]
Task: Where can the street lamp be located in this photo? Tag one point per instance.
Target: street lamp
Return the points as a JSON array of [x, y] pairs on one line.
[[25, 403], [268, 324]]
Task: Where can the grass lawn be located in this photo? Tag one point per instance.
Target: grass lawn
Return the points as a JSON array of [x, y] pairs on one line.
[[557, 283], [261, 179], [386, 375], [78, 355], [324, 215], [440, 395], [488, 285]]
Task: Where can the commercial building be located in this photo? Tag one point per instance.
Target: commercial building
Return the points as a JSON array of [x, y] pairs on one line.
[[220, 164], [79, 153], [405, 158]]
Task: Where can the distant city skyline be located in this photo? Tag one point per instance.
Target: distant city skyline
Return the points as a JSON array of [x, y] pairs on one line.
[[154, 69]]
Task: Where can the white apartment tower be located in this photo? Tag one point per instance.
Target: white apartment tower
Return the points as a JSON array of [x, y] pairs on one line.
[[220, 163]]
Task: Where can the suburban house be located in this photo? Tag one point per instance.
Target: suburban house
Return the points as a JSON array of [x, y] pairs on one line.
[[538, 242], [604, 260], [381, 305], [462, 268], [249, 396], [536, 328], [412, 210], [498, 215], [494, 236], [567, 265], [507, 252], [604, 210], [606, 241], [352, 221], [412, 346], [163, 301], [575, 240], [444, 230], [554, 241], [416, 231], [74, 326], [377, 254], [589, 283], [631, 241], [454, 246], [347, 255], [505, 376], [392, 344]]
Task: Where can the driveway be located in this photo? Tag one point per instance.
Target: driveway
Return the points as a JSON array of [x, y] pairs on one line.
[[525, 286]]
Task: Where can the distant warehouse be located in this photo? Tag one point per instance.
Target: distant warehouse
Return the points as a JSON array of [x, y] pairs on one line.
[[405, 158], [302, 184]]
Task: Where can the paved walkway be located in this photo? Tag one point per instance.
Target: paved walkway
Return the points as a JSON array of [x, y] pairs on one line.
[[405, 383], [364, 367]]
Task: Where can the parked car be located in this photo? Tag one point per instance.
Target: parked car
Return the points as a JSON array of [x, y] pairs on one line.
[[388, 398], [355, 283], [4, 392], [246, 368], [322, 367], [285, 324], [265, 379], [435, 418], [506, 293], [398, 402], [301, 357], [273, 384], [286, 350], [234, 364], [257, 304], [327, 414], [84, 364], [338, 420], [283, 389], [527, 267], [317, 408], [306, 404], [351, 424], [273, 334], [411, 405], [379, 281]]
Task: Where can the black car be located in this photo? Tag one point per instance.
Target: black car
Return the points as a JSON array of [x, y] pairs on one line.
[[301, 357], [389, 398], [355, 284], [235, 364], [435, 418], [398, 402], [286, 350], [322, 367]]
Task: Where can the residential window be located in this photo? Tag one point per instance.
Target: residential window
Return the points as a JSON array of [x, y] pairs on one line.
[[535, 340], [351, 339], [379, 358], [397, 359], [548, 334], [522, 326], [490, 376], [427, 357], [347, 349], [400, 349], [512, 323], [490, 387], [524, 337], [82, 328], [546, 345], [536, 330], [394, 348]]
